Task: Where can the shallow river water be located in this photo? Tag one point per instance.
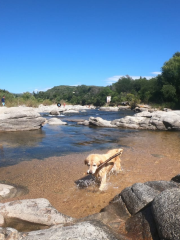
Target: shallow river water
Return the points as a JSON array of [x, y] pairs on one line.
[[48, 161]]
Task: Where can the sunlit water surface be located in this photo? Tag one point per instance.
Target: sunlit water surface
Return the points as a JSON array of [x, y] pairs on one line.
[[49, 161], [61, 140]]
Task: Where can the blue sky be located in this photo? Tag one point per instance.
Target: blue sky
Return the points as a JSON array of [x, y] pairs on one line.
[[47, 43]]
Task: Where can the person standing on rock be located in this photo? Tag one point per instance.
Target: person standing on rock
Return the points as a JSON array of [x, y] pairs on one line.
[[3, 100]]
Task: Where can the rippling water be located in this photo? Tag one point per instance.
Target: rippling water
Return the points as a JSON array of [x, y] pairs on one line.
[[61, 140], [148, 156]]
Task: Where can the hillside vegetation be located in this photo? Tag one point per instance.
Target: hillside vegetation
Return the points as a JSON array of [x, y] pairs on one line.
[[162, 90]]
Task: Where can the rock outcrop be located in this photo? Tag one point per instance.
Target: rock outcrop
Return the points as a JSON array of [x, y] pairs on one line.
[[20, 119], [158, 120], [54, 107], [149, 211], [144, 211], [35, 211]]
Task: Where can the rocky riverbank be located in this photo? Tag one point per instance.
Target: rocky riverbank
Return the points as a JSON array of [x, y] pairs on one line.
[[141, 211], [157, 120], [24, 118]]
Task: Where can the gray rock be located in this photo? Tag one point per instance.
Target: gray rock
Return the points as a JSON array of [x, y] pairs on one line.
[[85, 123], [38, 211], [20, 119], [82, 231], [176, 178], [71, 111], [158, 120], [100, 122], [2, 221], [86, 181], [124, 107], [138, 196], [56, 121], [117, 207], [109, 109], [7, 191], [142, 226], [54, 112], [137, 122], [9, 234], [161, 185], [166, 211]]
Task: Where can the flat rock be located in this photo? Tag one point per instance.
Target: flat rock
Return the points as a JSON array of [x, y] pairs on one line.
[[56, 121], [38, 211], [110, 109], [20, 119], [90, 230]]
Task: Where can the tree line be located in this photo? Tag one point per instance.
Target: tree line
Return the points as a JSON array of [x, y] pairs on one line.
[[163, 90]]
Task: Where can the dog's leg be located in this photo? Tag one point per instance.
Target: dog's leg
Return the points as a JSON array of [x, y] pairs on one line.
[[117, 166], [103, 183]]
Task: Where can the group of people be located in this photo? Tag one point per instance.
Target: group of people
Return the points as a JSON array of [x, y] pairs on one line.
[[3, 100]]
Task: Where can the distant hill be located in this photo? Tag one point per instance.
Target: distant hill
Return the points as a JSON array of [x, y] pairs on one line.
[[73, 94]]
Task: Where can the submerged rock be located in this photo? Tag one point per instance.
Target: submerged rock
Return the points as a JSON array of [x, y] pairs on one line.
[[8, 191]]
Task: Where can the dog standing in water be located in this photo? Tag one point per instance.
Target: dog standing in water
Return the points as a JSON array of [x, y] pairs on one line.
[[95, 160]]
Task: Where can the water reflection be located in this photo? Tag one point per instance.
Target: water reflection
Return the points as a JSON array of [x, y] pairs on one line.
[[24, 138]]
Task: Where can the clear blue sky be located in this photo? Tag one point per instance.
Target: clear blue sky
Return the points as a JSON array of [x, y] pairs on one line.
[[46, 43]]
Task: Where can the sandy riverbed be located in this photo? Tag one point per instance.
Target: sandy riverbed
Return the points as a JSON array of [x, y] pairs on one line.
[[155, 158]]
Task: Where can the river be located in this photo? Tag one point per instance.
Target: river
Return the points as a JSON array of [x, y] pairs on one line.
[[48, 161]]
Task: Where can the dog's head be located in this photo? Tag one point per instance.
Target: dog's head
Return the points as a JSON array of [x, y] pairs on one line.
[[93, 161]]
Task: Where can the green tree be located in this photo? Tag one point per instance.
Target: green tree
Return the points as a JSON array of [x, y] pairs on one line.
[[169, 92], [171, 76]]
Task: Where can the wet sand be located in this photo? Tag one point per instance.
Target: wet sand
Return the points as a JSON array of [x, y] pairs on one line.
[[149, 156]]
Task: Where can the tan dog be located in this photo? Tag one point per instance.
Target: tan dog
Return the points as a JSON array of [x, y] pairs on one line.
[[94, 160]]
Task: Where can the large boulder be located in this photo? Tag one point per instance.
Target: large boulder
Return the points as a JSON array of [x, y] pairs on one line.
[[133, 206], [158, 120], [142, 225], [166, 211], [138, 196], [89, 230], [36, 211], [20, 119]]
